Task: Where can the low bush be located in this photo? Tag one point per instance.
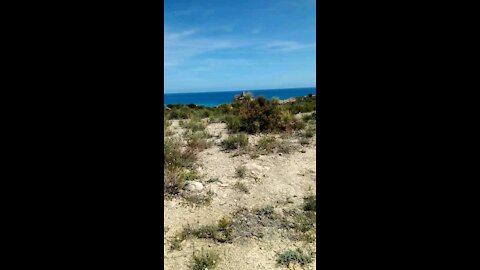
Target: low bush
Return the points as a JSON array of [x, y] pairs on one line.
[[235, 142]]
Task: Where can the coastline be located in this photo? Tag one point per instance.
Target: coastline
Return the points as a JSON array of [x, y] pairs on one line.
[[214, 99]]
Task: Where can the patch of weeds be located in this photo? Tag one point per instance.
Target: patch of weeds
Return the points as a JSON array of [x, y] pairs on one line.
[[242, 187], [188, 175], [205, 260], [198, 140], [310, 203], [194, 125], [285, 147], [207, 231], [304, 141], [308, 237], [221, 232], [199, 199], [266, 211], [294, 256], [225, 223], [241, 172], [286, 135], [309, 132], [173, 182], [235, 142], [267, 144], [301, 222], [309, 117], [176, 242], [298, 125], [305, 221]]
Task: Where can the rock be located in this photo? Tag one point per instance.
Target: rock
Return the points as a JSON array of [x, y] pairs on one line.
[[255, 169], [194, 186]]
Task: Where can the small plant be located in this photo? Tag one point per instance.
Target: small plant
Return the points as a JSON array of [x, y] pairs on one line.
[[199, 199], [241, 172], [176, 242], [207, 231], [310, 203], [224, 223], [266, 211], [194, 125], [267, 144], [235, 142], [242, 187], [294, 256], [221, 232], [197, 140], [309, 132], [309, 117], [304, 141], [298, 125], [173, 182], [205, 260], [285, 147]]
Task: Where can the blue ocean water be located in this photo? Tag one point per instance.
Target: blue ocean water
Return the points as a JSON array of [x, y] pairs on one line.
[[212, 99]]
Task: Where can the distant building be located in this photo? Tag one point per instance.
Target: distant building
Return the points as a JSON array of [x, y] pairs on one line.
[[241, 96]]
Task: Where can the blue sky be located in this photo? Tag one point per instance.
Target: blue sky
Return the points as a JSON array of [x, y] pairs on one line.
[[239, 45]]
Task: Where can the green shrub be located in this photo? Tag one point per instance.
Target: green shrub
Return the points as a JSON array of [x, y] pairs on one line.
[[197, 140], [174, 156], [309, 132], [294, 256], [310, 203], [205, 260], [194, 124], [285, 147], [235, 142], [173, 181], [267, 144]]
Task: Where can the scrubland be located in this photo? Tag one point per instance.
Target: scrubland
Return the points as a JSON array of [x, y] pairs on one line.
[[239, 185]]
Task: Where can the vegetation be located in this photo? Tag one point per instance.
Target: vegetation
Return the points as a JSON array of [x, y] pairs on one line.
[[235, 142], [310, 203], [255, 127], [205, 260], [241, 187], [250, 115], [178, 165], [294, 256], [241, 172]]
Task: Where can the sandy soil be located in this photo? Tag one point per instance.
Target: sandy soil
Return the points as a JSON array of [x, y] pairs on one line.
[[272, 180]]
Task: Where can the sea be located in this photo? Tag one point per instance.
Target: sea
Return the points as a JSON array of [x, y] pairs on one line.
[[213, 99]]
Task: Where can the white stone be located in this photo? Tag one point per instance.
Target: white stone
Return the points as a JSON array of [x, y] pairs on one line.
[[194, 186]]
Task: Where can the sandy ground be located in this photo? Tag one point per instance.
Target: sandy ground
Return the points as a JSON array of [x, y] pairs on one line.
[[271, 179]]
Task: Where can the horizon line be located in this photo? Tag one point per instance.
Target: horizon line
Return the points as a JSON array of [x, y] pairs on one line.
[[238, 90]]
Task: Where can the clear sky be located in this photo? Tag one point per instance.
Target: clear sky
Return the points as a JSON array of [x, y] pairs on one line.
[[239, 44]]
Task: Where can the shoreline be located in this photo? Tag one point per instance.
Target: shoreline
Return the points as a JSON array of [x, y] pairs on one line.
[[280, 101], [215, 99]]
